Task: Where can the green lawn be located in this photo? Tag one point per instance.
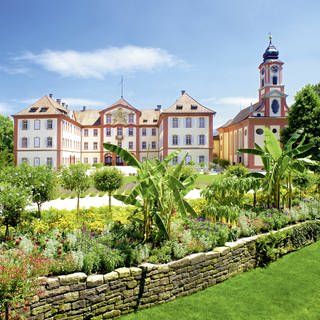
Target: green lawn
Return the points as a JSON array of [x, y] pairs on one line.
[[287, 289]]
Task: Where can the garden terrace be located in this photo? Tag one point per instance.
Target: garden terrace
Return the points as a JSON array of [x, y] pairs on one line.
[[124, 290]]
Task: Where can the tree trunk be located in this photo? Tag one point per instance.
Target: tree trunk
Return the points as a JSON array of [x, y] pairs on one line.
[[290, 191], [6, 311], [39, 209], [254, 199], [110, 209], [6, 235], [78, 206]]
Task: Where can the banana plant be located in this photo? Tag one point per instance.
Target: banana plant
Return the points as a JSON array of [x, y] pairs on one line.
[[279, 163], [158, 194]]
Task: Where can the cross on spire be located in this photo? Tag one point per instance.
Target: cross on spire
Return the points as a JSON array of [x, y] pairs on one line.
[[270, 38]]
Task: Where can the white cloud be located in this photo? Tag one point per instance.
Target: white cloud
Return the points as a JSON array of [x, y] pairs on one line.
[[83, 102], [14, 70], [72, 102], [98, 63], [6, 108], [233, 101]]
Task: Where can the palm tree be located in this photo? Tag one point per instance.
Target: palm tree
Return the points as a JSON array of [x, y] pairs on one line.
[[280, 163], [158, 193]]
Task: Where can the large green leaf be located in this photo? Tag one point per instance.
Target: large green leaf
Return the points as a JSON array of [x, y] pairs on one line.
[[123, 154], [272, 145]]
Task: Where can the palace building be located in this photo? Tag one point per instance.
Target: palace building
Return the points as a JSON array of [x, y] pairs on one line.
[[247, 128], [49, 133]]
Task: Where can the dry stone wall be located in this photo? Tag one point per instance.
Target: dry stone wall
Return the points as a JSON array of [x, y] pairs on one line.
[[78, 296]]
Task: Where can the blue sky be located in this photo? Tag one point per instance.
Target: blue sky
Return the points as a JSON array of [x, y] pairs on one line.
[[79, 49]]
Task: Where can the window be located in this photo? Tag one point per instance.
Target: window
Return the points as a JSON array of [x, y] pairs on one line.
[[130, 145], [188, 122], [36, 142], [194, 107], [119, 132], [108, 118], [188, 159], [202, 139], [36, 162], [188, 139], [274, 130], [144, 131], [49, 162], [49, 142], [274, 80], [95, 132], [86, 132], [108, 132], [44, 109], [85, 160], [202, 122], [153, 131], [262, 82], [275, 106], [201, 159], [36, 124], [175, 123], [144, 145], [175, 160], [175, 140], [85, 146], [49, 124], [179, 107], [259, 131], [130, 132], [33, 109], [24, 160], [145, 121], [131, 118], [24, 142], [25, 124], [119, 144], [153, 145], [95, 146], [95, 160]]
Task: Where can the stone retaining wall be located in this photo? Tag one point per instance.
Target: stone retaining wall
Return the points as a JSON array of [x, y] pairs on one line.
[[78, 296]]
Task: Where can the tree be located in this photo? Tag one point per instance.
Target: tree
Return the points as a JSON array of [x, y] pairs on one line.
[[75, 178], [158, 193], [13, 201], [43, 183], [6, 141], [280, 164], [305, 114], [108, 180]]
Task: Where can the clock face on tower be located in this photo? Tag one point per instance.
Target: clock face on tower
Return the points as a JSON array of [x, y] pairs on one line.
[[274, 68]]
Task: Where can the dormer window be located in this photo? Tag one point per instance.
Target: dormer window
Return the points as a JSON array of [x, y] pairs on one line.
[[33, 109], [179, 107], [145, 120], [44, 109], [194, 107], [155, 120]]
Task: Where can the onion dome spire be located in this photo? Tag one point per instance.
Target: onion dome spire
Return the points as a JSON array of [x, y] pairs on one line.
[[271, 52]]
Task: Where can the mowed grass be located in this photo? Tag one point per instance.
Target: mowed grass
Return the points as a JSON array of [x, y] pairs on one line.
[[287, 289]]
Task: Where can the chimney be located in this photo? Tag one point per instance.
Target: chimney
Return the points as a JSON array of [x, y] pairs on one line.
[[63, 104], [158, 107], [183, 92], [67, 106], [50, 95], [84, 108], [58, 100]]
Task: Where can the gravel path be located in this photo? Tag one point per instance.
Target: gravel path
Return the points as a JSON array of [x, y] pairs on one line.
[[88, 202]]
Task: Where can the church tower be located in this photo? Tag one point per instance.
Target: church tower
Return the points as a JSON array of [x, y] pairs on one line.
[[271, 91]]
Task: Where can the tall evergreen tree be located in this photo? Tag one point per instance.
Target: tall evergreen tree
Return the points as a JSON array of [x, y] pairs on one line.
[[6, 141], [305, 114]]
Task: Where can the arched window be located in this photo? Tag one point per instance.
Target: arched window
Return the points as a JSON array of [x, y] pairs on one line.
[[275, 106], [274, 80]]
